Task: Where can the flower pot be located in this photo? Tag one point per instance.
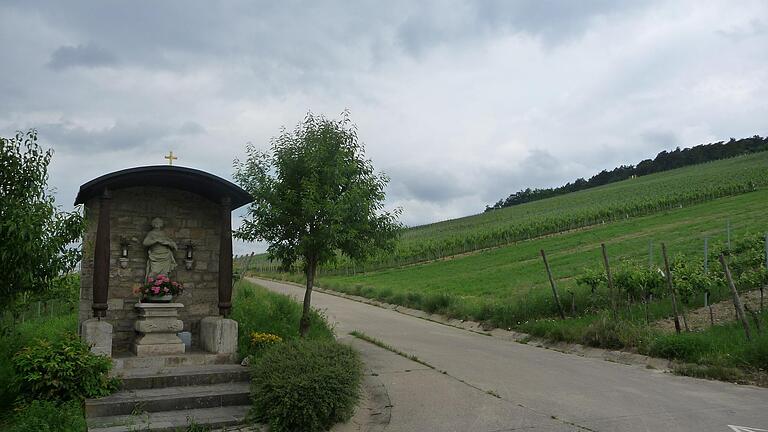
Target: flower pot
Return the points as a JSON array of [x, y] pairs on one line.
[[165, 298]]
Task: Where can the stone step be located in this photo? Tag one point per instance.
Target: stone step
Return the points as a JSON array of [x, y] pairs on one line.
[[171, 421], [130, 361], [169, 399], [136, 379]]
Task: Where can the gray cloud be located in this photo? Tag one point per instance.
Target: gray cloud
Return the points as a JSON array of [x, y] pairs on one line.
[[460, 102], [81, 55]]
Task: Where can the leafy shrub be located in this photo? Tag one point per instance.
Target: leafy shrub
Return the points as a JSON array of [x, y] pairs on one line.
[[685, 347], [47, 416], [306, 385], [20, 335], [62, 370]]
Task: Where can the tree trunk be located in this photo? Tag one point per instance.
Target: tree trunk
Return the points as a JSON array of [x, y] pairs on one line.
[[310, 274]]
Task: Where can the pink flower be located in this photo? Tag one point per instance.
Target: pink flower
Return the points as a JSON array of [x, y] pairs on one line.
[[166, 289], [156, 290], [150, 280], [175, 283]]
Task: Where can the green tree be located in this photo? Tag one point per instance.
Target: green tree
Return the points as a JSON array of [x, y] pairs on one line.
[[37, 238], [315, 196]]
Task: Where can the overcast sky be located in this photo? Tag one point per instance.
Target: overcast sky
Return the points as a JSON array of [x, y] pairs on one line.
[[460, 103]]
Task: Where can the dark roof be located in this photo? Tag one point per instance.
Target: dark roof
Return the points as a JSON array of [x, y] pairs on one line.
[[188, 179]]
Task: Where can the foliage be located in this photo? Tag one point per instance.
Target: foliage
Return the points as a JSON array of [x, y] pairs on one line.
[[259, 310], [48, 416], [685, 347], [62, 370], [638, 282], [38, 238], [592, 278], [315, 196], [47, 327], [655, 194], [664, 161], [306, 385], [161, 285], [689, 279], [262, 341], [605, 332]]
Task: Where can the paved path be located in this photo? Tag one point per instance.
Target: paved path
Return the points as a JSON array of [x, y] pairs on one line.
[[538, 389]]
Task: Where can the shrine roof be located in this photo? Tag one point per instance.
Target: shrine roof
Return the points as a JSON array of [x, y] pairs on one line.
[[187, 179]]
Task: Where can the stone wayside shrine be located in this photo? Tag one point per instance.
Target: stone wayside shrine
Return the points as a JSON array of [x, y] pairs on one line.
[[149, 221]]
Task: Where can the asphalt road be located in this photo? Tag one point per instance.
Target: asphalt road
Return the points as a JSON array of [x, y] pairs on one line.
[[496, 385]]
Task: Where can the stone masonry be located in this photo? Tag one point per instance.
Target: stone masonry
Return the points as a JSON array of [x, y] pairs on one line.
[[187, 217]]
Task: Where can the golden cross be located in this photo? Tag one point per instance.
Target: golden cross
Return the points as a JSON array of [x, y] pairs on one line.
[[170, 158]]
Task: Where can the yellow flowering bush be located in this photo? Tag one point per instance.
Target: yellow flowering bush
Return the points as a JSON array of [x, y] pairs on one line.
[[263, 340]]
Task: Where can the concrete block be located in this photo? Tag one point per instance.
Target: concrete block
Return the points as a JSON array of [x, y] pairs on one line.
[[98, 334], [218, 335]]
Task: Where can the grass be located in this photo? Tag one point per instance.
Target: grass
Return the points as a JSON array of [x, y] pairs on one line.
[[719, 352], [627, 199], [257, 309], [508, 285], [381, 344]]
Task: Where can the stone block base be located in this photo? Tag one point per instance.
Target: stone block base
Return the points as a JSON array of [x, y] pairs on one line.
[[157, 325], [97, 334], [218, 335]]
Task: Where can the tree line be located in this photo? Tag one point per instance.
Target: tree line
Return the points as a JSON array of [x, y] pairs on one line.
[[663, 161]]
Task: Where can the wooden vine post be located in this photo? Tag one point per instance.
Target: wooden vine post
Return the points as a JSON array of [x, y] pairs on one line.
[[671, 288], [552, 283], [610, 281], [736, 300]]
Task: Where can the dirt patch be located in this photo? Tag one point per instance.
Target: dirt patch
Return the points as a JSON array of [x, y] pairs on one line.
[[723, 312]]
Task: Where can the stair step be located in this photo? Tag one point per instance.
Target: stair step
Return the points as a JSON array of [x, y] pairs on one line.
[[123, 361], [171, 420], [169, 399], [136, 379]]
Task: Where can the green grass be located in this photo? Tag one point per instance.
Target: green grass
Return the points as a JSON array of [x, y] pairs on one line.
[[720, 352], [508, 285], [257, 309], [604, 204], [381, 344]]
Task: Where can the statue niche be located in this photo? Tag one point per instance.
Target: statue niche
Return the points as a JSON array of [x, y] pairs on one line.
[[160, 251]]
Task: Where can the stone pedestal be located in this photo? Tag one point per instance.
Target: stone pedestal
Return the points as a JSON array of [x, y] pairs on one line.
[[218, 335], [157, 325], [97, 334]]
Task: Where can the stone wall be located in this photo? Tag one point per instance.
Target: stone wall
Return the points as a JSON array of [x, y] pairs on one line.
[[187, 216]]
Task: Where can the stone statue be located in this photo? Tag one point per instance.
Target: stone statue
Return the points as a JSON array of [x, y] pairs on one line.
[[160, 250]]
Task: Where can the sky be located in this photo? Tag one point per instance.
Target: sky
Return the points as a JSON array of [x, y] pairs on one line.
[[460, 103]]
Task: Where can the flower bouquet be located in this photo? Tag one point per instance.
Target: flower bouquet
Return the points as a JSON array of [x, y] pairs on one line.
[[159, 289]]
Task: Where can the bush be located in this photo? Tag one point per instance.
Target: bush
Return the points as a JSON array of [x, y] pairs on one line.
[[23, 334], [46, 416], [685, 347], [306, 385], [62, 370]]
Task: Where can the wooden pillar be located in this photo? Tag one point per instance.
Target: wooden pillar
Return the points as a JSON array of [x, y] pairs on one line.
[[101, 257], [225, 258]]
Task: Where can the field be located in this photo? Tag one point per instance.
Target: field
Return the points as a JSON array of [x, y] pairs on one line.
[[605, 204], [515, 273], [639, 196]]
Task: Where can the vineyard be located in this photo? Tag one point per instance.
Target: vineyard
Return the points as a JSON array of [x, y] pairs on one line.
[[622, 200]]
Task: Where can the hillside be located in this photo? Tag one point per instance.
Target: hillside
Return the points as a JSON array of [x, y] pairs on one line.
[[621, 200]]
